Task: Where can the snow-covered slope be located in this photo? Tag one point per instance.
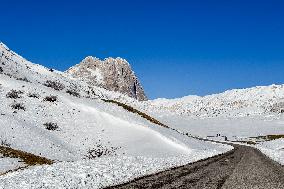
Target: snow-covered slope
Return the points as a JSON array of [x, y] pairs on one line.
[[49, 114], [83, 124]]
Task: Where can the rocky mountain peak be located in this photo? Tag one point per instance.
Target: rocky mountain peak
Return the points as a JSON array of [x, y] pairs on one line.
[[113, 74]]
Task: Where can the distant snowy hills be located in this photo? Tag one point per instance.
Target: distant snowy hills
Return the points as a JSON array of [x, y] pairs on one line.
[[233, 103], [113, 74]]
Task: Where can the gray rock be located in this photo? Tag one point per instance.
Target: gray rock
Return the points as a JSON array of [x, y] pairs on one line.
[[113, 74]]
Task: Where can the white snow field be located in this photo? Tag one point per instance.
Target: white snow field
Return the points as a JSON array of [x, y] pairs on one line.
[[273, 149], [7, 164], [238, 114], [93, 143], [235, 128], [97, 173]]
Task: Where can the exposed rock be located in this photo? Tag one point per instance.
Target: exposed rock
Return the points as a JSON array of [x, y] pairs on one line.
[[113, 74]]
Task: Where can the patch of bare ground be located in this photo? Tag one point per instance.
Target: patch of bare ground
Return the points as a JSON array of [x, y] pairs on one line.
[[28, 158], [269, 137], [133, 110]]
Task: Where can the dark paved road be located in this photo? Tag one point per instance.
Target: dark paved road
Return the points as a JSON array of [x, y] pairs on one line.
[[242, 168]]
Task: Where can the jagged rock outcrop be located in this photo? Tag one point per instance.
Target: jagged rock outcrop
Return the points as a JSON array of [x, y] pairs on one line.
[[113, 74]]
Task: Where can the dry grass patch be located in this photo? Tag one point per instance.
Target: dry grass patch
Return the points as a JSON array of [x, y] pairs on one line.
[[269, 137], [28, 158], [133, 110], [245, 142]]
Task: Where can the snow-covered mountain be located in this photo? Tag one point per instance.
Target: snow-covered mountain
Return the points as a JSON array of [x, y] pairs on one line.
[[48, 113], [113, 74]]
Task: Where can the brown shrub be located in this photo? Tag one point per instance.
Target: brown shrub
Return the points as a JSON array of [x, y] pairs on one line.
[[51, 126], [28, 158], [18, 106], [133, 110], [14, 94], [54, 84], [50, 98]]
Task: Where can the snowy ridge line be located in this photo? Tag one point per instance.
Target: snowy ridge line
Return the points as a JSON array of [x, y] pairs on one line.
[[133, 110], [2, 44], [149, 118], [155, 121]]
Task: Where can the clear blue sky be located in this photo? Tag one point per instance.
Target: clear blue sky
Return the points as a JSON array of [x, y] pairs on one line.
[[176, 47]]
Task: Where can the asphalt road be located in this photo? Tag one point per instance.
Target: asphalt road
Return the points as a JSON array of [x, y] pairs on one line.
[[242, 168]]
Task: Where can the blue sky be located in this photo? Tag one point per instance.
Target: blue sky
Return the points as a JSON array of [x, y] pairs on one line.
[[176, 47]]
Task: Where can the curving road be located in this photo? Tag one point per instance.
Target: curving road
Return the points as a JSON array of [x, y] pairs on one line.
[[242, 168]]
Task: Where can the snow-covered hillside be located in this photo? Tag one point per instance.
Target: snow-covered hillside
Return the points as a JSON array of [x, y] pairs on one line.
[[232, 103], [47, 113]]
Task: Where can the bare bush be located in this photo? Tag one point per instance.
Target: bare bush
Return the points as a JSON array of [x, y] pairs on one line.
[[100, 150], [51, 126], [4, 142], [278, 108], [33, 95], [14, 94], [73, 92], [54, 84], [23, 79], [1, 69], [50, 98], [18, 106]]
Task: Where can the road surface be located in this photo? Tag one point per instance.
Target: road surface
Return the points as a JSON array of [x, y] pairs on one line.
[[242, 168]]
